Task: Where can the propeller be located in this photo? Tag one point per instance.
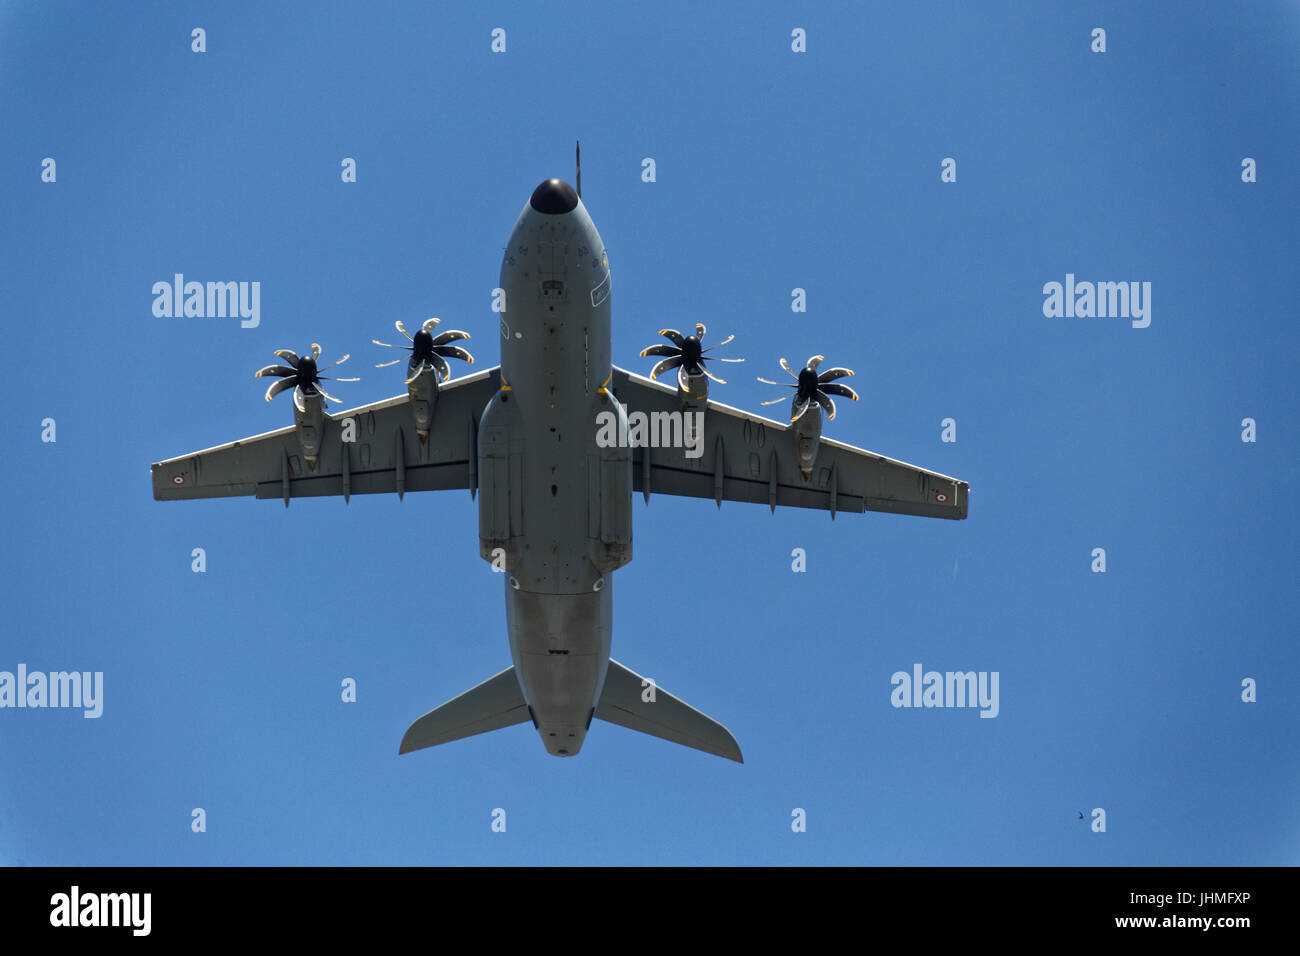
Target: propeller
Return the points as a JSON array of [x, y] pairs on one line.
[[301, 374], [687, 354], [813, 389], [428, 350]]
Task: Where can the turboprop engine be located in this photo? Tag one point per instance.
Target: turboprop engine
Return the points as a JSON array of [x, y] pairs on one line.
[[427, 368], [303, 376], [687, 355], [812, 394]]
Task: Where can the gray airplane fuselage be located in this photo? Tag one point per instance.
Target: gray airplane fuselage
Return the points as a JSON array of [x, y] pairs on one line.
[[555, 510]]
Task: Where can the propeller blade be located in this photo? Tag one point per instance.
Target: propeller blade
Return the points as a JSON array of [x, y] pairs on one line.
[[815, 361], [768, 381], [664, 366], [333, 379], [315, 351], [339, 362], [835, 388], [444, 370], [288, 355], [720, 381], [401, 328], [327, 395], [451, 335], [800, 406], [277, 370], [430, 325], [387, 346], [298, 401], [773, 401], [672, 335], [826, 402], [386, 364], [453, 351], [667, 351], [831, 374], [718, 344], [279, 386], [786, 365], [700, 330]]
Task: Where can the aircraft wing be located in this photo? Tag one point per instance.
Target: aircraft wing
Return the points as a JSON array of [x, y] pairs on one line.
[[750, 458], [387, 455]]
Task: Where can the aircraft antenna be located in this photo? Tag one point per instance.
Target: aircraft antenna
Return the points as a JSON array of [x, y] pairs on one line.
[[577, 158]]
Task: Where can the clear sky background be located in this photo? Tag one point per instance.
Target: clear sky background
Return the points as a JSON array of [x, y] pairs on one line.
[[775, 170]]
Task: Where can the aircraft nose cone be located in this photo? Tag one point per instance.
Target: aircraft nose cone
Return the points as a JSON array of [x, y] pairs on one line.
[[554, 197]]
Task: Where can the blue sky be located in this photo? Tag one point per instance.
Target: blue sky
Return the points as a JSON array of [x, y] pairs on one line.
[[775, 170]]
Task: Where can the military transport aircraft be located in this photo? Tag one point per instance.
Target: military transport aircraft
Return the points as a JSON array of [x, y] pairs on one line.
[[556, 440]]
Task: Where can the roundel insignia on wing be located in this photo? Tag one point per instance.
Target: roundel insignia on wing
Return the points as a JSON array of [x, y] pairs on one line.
[[940, 496], [178, 479]]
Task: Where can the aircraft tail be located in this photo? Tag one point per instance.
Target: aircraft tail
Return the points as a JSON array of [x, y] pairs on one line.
[[497, 702], [666, 716]]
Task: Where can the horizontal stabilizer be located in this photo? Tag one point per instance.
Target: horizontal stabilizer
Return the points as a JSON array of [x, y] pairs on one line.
[[666, 716], [493, 704]]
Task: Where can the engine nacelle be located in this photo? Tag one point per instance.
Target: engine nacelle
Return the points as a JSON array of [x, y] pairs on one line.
[[694, 398], [423, 395], [807, 436], [696, 392], [310, 423]]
